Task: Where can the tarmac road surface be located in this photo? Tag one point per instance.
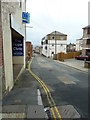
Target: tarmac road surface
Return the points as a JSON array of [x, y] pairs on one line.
[[67, 85]]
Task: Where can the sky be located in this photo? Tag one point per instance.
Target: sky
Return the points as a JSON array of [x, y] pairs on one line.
[[65, 16]]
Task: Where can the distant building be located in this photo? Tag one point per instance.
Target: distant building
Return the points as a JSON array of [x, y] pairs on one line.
[[54, 43], [71, 47], [79, 44], [37, 49], [29, 50], [86, 40]]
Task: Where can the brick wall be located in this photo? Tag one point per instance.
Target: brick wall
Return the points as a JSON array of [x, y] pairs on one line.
[[29, 48]]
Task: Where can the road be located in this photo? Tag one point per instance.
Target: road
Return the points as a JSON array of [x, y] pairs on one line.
[[67, 85]]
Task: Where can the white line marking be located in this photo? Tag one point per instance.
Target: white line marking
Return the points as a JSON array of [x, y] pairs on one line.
[[39, 97]]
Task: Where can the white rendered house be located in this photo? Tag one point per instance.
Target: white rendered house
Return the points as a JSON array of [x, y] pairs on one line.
[[79, 44], [54, 43]]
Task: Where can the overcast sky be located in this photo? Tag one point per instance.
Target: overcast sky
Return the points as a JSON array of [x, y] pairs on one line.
[[66, 16]]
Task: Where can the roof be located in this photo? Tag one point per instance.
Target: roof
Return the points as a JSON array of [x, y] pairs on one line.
[[57, 33], [80, 39], [86, 27]]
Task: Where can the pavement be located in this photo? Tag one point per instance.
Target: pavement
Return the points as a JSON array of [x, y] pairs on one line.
[[77, 64], [24, 101]]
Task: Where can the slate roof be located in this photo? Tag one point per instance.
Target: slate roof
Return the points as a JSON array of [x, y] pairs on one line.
[[80, 38], [57, 33], [86, 27]]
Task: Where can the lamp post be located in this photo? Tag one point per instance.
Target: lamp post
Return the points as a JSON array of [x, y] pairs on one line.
[[26, 30]]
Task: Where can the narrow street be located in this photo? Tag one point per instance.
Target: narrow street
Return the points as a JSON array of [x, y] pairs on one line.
[[67, 86], [44, 59]]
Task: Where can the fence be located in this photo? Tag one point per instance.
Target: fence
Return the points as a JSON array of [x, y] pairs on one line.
[[69, 55]]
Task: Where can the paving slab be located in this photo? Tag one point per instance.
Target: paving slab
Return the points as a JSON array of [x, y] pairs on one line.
[[14, 109], [68, 111], [14, 116], [36, 112]]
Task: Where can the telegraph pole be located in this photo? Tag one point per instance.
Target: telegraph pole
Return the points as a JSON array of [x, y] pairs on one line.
[[55, 42]]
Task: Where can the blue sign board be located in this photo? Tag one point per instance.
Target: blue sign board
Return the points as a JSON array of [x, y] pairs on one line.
[[17, 47], [25, 17]]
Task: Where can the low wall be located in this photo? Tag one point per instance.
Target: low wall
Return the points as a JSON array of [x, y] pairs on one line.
[[87, 64]]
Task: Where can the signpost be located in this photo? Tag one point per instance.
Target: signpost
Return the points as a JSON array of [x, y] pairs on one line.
[[18, 47]]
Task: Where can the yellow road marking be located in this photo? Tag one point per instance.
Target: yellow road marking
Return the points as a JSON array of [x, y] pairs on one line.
[[53, 114], [47, 93]]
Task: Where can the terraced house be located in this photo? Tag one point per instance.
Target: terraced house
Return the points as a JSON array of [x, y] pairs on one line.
[[54, 43], [12, 42]]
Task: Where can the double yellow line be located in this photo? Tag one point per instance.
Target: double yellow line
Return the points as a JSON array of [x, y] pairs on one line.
[[49, 97]]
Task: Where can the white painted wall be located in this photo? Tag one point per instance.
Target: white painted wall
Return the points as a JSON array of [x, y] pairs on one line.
[[60, 47], [7, 9], [79, 45]]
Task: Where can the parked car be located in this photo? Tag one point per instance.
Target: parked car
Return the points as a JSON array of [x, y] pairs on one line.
[[82, 57]]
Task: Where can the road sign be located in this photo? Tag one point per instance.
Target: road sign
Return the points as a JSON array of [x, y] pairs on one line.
[[25, 17]]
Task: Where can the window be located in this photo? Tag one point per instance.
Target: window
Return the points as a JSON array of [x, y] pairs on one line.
[[88, 52], [46, 41], [41, 42], [61, 38], [46, 47], [88, 41], [88, 30], [53, 37], [53, 44]]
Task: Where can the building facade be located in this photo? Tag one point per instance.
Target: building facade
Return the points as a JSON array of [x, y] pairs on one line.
[[54, 43], [71, 47], [37, 49], [79, 44], [1, 58], [86, 40], [13, 36]]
